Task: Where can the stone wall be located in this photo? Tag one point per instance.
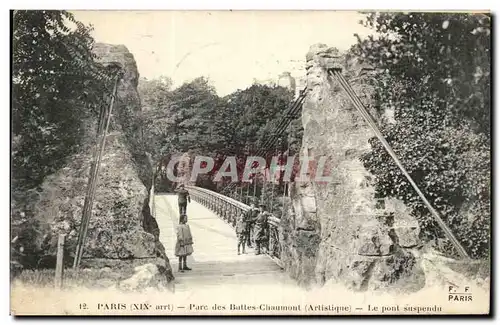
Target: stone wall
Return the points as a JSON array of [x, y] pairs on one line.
[[122, 229], [335, 231]]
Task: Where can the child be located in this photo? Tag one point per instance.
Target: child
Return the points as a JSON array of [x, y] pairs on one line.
[[184, 245], [241, 231]]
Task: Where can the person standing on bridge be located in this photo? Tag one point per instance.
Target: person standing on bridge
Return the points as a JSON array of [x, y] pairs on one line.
[[183, 199], [250, 217], [184, 244], [241, 231], [261, 230]]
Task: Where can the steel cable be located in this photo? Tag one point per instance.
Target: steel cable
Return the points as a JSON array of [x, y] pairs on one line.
[[366, 115]]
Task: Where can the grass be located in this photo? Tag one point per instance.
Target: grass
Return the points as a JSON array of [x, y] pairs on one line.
[[89, 278]]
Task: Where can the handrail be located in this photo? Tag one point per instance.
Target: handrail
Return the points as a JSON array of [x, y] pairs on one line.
[[244, 207], [229, 209], [221, 196]]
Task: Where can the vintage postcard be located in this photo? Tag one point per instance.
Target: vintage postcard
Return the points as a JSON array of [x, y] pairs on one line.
[[250, 163]]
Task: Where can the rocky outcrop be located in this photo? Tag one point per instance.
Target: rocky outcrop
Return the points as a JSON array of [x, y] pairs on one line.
[[335, 230], [121, 226], [146, 276]]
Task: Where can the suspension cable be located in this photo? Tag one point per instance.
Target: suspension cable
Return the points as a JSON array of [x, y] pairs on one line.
[[285, 182], [92, 184], [272, 174], [280, 128], [336, 73]]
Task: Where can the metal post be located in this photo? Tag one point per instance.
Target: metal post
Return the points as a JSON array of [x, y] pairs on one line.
[[286, 183], [272, 196], [272, 185], [264, 188], [60, 262]]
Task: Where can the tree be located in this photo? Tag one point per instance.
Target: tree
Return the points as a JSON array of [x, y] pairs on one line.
[[184, 121], [155, 93], [56, 85], [197, 121], [187, 120], [433, 73], [258, 109]]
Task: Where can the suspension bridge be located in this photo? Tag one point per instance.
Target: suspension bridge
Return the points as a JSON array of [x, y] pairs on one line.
[[215, 262], [212, 216]]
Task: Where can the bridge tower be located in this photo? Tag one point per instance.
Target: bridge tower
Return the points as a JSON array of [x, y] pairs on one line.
[[336, 230]]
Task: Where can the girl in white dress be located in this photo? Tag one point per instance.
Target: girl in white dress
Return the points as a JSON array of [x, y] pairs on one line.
[[184, 245]]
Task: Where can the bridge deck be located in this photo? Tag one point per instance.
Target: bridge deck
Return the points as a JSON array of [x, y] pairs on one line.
[[215, 260]]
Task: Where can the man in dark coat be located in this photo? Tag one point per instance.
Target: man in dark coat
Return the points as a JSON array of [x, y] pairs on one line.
[[261, 230], [250, 217], [241, 231], [182, 199]]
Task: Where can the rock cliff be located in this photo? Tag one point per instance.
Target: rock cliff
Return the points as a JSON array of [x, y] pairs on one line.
[[337, 230], [121, 227]]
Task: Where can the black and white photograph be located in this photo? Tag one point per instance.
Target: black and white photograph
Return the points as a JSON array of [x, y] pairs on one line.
[[250, 162]]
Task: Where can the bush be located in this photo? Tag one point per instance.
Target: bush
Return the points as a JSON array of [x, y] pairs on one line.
[[434, 75], [56, 87]]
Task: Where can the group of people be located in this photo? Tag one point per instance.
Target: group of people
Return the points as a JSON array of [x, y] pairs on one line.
[[252, 226]]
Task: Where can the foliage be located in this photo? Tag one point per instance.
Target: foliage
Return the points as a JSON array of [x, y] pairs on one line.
[[155, 93], [56, 87], [433, 72], [183, 121], [56, 84], [259, 109], [252, 116], [192, 118], [272, 196]]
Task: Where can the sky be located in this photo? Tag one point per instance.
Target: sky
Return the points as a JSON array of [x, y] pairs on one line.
[[231, 48]]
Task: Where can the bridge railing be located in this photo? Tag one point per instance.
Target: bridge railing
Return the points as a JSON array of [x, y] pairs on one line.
[[229, 209]]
